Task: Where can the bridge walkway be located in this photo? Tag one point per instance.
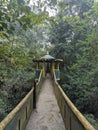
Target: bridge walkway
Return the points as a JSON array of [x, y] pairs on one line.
[[47, 114]]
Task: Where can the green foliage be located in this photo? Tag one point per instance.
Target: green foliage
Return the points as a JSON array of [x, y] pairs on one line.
[[19, 85], [2, 109], [75, 41], [20, 36], [92, 120], [73, 35]]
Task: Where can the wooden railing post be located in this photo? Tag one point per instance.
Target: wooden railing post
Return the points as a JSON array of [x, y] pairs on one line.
[[34, 95]]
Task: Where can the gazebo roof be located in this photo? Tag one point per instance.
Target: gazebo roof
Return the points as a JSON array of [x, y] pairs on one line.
[[47, 58]]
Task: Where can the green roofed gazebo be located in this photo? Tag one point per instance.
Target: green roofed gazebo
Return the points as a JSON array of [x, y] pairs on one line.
[[48, 64]]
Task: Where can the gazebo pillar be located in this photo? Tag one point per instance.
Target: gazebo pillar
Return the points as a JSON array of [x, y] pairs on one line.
[[52, 68], [57, 66], [43, 69], [37, 65]]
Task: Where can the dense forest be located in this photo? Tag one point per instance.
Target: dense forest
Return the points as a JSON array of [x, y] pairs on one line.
[[68, 30], [74, 37], [20, 37]]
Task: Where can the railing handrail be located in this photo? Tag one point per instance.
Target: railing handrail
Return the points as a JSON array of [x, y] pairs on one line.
[[39, 78], [77, 113], [9, 117]]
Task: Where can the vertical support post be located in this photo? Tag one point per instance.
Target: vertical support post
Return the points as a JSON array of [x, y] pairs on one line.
[[52, 68], [19, 126], [37, 66], [43, 69], [58, 66], [34, 95]]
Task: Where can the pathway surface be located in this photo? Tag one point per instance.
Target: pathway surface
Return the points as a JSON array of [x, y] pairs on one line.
[[47, 115]]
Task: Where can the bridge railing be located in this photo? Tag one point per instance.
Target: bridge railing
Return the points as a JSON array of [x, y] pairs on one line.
[[19, 116], [38, 84], [72, 117]]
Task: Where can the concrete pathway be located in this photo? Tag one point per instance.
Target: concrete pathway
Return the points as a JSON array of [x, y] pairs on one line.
[[47, 115]]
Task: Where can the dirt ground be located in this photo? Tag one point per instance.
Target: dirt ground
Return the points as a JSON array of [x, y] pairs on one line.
[[47, 114]]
